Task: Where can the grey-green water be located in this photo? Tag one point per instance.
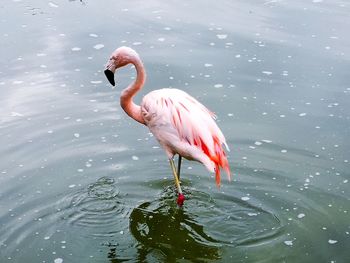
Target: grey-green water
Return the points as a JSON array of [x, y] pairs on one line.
[[82, 182]]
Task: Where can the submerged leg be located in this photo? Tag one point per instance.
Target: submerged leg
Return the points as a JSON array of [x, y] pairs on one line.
[[181, 197], [179, 166]]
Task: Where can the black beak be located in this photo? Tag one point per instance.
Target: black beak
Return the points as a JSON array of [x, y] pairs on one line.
[[110, 76]]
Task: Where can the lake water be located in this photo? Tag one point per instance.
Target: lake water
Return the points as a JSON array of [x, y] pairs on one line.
[[82, 182]]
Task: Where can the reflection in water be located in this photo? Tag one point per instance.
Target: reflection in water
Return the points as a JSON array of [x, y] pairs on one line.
[[170, 232]]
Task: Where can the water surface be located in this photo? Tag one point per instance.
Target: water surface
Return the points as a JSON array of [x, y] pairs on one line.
[[82, 182]]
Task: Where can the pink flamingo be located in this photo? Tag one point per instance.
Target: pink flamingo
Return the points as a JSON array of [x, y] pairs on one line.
[[181, 124]]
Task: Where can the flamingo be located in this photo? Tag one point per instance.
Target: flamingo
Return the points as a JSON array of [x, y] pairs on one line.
[[181, 124]]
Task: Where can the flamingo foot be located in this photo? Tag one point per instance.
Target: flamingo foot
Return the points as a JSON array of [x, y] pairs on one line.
[[180, 200]]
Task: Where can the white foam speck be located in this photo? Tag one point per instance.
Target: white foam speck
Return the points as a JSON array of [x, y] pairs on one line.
[[301, 215], [267, 72], [245, 198], [47, 237], [218, 86], [207, 65], [99, 46], [58, 260], [161, 39], [135, 158], [221, 36], [302, 114], [71, 186], [76, 49], [258, 143], [331, 241], [252, 214], [345, 181], [16, 114], [283, 151], [288, 242], [267, 141], [93, 35], [137, 43], [51, 4], [96, 81], [76, 135]]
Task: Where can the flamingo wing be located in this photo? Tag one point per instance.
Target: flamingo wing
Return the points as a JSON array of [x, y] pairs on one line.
[[184, 126]]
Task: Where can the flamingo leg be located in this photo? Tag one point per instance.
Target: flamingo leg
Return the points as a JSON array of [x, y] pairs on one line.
[[179, 166], [181, 198], [177, 181]]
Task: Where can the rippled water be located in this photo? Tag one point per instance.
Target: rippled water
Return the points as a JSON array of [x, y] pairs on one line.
[[81, 182]]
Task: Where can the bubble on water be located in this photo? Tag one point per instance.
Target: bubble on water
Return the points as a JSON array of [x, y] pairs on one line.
[[302, 114], [283, 151], [76, 48], [47, 238], [135, 158], [58, 260], [217, 86], [99, 46]]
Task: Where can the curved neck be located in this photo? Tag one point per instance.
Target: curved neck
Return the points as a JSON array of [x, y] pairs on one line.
[[126, 98]]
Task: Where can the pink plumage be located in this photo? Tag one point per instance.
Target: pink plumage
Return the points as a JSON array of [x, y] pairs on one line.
[[181, 124]]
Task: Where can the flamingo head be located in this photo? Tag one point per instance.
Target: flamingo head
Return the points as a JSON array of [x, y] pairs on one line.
[[119, 58]]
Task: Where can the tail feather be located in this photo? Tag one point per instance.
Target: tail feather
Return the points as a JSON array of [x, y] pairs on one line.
[[220, 161], [217, 175]]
